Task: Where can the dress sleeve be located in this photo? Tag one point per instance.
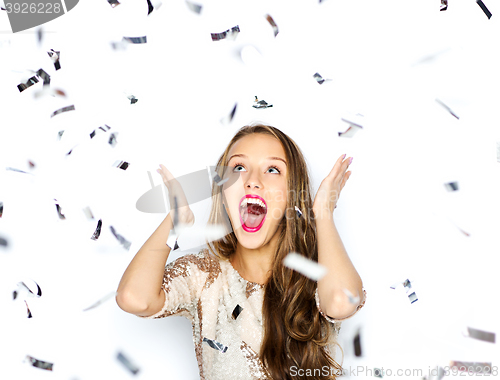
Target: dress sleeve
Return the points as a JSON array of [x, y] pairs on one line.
[[183, 281], [333, 320]]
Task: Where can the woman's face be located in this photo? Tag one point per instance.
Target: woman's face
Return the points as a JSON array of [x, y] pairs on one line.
[[259, 161]]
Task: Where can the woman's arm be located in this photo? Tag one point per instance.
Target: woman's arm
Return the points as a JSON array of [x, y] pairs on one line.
[[342, 277], [341, 272], [139, 291]]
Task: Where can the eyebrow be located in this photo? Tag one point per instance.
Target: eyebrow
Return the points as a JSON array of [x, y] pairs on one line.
[[245, 156]]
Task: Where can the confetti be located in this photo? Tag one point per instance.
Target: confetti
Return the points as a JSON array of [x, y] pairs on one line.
[[61, 216], [44, 76], [237, 310], [121, 239], [273, 24], [39, 363], [299, 213], [105, 129], [320, 79], [28, 310], [121, 165], [444, 5], [30, 82], [485, 336], [407, 285], [354, 126], [150, 7], [215, 345], [1, 209], [31, 290], [16, 170], [352, 299], [228, 34], [64, 109], [447, 108], [471, 367], [132, 99], [260, 103], [351, 131], [451, 186], [308, 268], [101, 301], [483, 7], [377, 372], [97, 231], [127, 363], [3, 242], [136, 40], [55, 56], [227, 119], [196, 8], [112, 141], [113, 3], [357, 344]]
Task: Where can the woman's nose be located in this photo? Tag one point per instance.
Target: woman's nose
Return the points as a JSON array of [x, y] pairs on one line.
[[253, 182]]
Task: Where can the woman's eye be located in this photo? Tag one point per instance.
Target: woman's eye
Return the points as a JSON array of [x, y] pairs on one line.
[[237, 166], [277, 171]]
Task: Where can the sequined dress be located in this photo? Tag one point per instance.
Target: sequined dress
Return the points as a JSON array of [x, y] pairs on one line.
[[226, 314]]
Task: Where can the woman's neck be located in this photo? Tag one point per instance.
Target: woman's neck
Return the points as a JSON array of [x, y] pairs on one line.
[[253, 265]]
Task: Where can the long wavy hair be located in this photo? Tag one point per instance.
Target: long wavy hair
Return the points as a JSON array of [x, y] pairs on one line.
[[295, 335]]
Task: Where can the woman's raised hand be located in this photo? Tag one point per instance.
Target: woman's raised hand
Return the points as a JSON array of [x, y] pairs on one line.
[[181, 214], [328, 193]]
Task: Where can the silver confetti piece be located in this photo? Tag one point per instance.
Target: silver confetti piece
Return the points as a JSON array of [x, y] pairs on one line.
[[447, 108], [121, 165], [39, 363], [1, 209], [112, 141], [30, 82], [113, 3], [299, 213], [228, 34], [354, 126], [101, 301], [303, 265], [377, 372], [64, 109], [88, 213], [407, 285], [485, 336], [105, 129], [3, 241], [350, 296], [126, 244], [55, 56], [28, 310], [196, 8], [136, 40], [127, 363], [237, 310], [485, 10], [320, 79], [444, 5], [132, 99], [44, 76], [227, 119], [273, 24], [97, 231], [33, 292], [451, 186], [260, 103], [357, 345], [215, 345]]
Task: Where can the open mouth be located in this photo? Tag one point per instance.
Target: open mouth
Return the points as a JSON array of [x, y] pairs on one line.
[[253, 210]]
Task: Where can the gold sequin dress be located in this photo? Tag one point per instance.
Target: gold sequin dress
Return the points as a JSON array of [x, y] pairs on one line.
[[225, 311]]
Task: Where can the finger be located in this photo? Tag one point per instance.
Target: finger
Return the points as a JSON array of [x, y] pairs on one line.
[[337, 165], [166, 173], [344, 180]]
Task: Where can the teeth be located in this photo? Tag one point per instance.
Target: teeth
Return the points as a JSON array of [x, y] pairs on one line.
[[252, 201]]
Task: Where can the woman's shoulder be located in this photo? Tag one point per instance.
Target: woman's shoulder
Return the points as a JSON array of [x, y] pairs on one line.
[[203, 261]]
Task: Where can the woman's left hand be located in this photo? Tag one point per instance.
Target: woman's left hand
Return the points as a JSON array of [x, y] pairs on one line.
[[328, 193]]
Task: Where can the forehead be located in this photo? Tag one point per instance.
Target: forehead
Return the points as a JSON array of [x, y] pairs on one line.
[[258, 144]]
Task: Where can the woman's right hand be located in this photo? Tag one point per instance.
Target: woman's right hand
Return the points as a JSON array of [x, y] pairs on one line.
[[182, 216]]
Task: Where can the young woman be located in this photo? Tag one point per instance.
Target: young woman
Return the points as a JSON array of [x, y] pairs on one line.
[[254, 318]]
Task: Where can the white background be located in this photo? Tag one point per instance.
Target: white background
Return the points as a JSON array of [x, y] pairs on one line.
[[387, 60]]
